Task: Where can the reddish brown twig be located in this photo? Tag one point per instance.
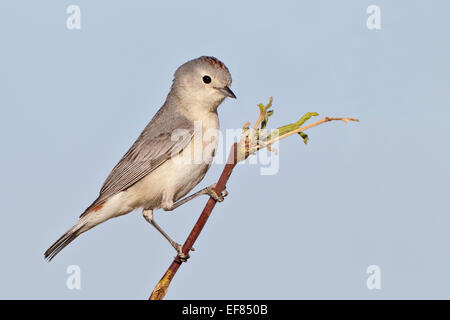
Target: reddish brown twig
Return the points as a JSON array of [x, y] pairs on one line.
[[162, 286]]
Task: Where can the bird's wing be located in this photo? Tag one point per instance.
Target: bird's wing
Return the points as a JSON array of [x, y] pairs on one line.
[[156, 144]]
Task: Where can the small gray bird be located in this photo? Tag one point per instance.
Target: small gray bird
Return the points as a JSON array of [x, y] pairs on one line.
[[151, 175]]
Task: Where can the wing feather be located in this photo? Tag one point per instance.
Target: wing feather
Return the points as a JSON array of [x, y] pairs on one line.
[[154, 146]]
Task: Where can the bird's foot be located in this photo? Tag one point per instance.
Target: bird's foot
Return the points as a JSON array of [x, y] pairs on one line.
[[213, 194], [181, 256]]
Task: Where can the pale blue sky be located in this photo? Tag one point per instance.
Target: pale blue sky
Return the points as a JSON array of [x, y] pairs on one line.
[[72, 102]]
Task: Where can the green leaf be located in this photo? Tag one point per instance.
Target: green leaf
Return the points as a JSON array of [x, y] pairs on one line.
[[305, 118], [261, 107], [294, 126], [298, 124], [264, 108], [283, 129], [266, 119], [304, 137]]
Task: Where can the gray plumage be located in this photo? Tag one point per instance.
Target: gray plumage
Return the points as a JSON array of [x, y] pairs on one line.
[[147, 176], [151, 149]]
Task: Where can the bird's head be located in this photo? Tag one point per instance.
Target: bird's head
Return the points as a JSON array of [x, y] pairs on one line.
[[205, 81]]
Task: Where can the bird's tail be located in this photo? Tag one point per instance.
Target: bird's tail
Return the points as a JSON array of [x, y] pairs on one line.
[[65, 239]]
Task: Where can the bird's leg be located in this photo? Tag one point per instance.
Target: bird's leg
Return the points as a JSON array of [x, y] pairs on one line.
[[148, 215], [208, 190]]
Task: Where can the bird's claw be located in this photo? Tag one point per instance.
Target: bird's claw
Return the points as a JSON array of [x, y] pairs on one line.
[[213, 194], [181, 256]]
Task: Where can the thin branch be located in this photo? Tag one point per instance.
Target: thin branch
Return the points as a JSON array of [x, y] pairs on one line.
[[163, 285], [263, 112], [258, 121]]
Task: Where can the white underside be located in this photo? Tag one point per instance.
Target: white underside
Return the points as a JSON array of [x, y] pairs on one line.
[[168, 183]]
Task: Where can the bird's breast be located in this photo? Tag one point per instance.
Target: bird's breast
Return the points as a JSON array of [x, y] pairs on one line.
[[197, 157]]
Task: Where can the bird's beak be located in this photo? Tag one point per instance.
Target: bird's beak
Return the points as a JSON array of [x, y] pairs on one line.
[[227, 91]]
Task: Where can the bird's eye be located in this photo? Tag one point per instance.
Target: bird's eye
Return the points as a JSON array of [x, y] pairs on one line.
[[206, 79]]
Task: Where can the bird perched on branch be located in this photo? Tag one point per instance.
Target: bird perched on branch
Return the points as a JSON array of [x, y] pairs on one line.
[[169, 158]]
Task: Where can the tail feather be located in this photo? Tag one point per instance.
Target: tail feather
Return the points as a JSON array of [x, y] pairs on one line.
[[64, 240]]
